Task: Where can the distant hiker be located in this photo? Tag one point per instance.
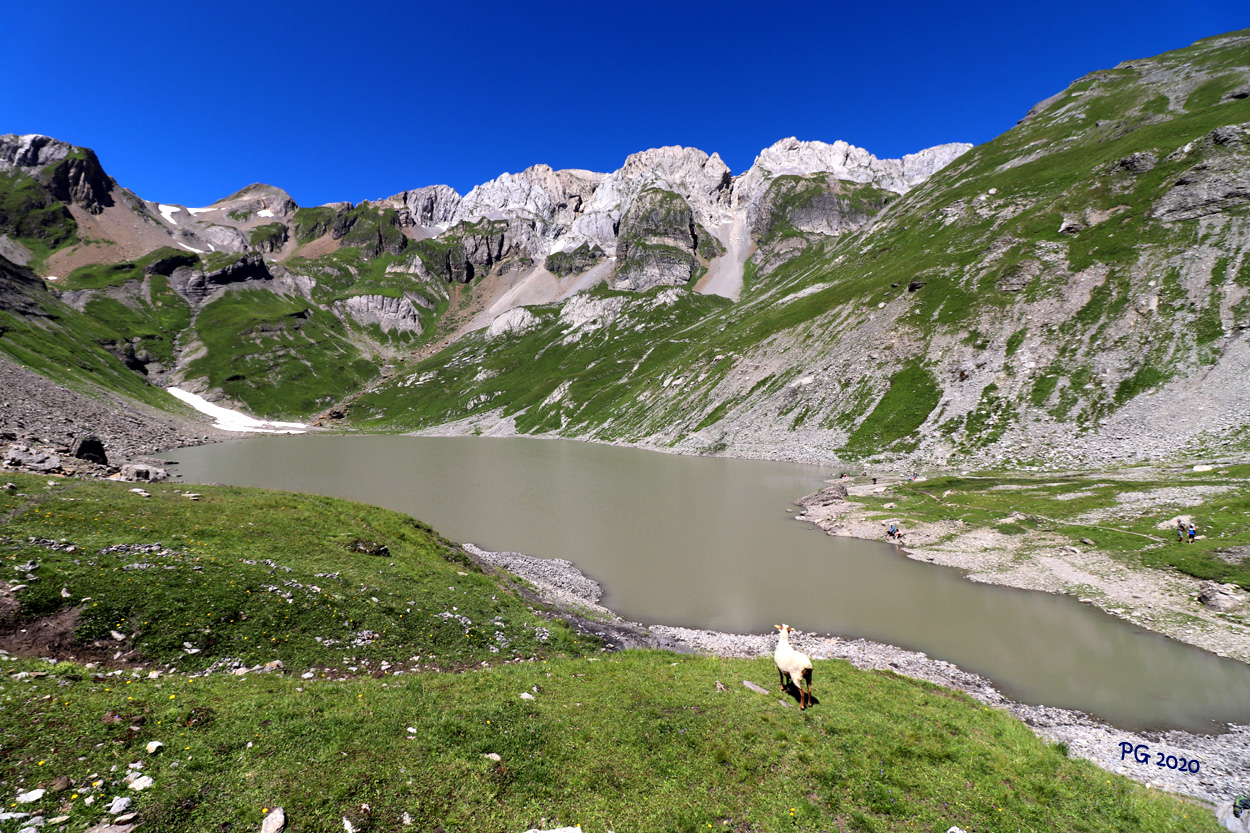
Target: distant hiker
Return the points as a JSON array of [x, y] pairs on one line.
[[1180, 531], [874, 481], [892, 532], [1193, 533]]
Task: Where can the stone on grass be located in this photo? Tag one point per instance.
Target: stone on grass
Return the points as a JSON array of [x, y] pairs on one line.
[[120, 805], [525, 695], [141, 783], [153, 747], [757, 689], [30, 797], [275, 822], [61, 784]]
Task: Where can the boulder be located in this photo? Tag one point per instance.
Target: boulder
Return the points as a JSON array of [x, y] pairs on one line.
[[143, 473], [38, 461], [1220, 597]]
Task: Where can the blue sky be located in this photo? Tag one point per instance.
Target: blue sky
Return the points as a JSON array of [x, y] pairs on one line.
[[187, 103]]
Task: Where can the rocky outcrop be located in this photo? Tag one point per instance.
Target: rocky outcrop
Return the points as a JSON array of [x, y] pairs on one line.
[[657, 243], [565, 263], [550, 200], [1217, 183], [516, 321], [431, 207], [816, 204], [70, 174], [19, 289], [386, 312], [791, 157], [701, 180], [196, 285]]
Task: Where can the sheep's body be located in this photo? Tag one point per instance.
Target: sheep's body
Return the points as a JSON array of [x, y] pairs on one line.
[[793, 664]]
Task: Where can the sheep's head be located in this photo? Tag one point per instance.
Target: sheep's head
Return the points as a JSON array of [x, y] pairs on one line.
[[786, 629]]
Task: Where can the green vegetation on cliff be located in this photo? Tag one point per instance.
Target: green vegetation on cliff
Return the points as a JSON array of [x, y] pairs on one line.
[[281, 355]]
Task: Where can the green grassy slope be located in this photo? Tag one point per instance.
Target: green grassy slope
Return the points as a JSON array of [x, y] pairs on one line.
[[970, 267], [66, 346], [373, 732]]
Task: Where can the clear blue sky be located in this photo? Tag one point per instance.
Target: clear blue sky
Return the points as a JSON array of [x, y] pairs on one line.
[[187, 102]]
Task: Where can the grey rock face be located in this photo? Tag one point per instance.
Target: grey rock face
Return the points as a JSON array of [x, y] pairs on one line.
[[431, 206], [70, 174], [388, 313], [657, 242], [818, 204], [844, 161], [703, 181], [196, 285], [573, 262], [1219, 182]]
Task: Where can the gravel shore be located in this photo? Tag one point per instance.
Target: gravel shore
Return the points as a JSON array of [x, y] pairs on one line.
[[1224, 758]]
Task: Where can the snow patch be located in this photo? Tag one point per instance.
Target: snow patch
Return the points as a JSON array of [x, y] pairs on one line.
[[168, 212], [228, 420], [189, 249], [264, 212], [195, 211], [52, 278]]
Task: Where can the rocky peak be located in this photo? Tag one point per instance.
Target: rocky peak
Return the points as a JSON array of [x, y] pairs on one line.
[[71, 174], [538, 192], [433, 206], [703, 181], [260, 200], [792, 157]]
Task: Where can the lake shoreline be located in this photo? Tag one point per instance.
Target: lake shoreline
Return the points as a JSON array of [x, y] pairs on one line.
[[1224, 757]]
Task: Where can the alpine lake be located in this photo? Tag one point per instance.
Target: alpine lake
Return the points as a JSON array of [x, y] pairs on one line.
[[706, 542]]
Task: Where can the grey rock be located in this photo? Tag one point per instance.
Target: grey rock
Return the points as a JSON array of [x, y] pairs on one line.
[[143, 473], [71, 174], [657, 243], [432, 206], [37, 461], [1220, 597], [399, 314], [119, 805], [1138, 163], [1218, 183], [197, 285], [275, 822], [515, 321]]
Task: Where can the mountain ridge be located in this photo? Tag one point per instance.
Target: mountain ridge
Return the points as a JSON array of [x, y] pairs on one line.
[[1026, 300]]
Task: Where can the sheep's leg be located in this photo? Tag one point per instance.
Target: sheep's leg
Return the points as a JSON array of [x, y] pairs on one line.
[[782, 675], [807, 676]]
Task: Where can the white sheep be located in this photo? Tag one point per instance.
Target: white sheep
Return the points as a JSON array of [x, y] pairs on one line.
[[793, 664]]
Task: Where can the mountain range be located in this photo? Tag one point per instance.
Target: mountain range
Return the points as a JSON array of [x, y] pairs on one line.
[[1074, 292]]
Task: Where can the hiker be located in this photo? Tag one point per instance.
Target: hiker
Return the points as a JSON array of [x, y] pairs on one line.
[[1193, 533], [1180, 531], [892, 532]]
